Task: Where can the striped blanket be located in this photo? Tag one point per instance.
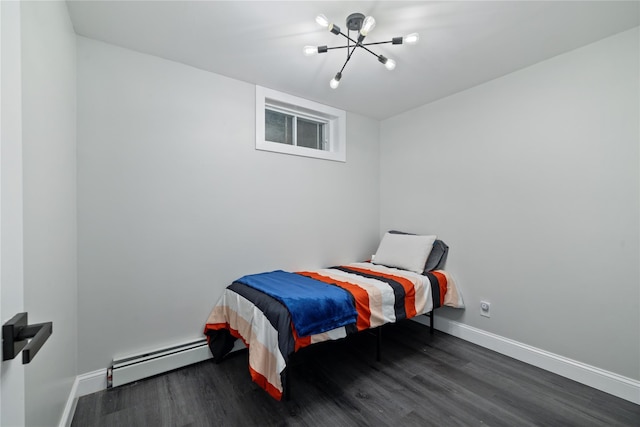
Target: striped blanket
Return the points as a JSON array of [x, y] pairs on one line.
[[380, 295]]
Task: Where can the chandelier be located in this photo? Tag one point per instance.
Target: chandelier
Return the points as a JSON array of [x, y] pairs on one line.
[[363, 25]]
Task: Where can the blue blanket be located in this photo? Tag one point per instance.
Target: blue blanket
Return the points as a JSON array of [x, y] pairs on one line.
[[315, 307]]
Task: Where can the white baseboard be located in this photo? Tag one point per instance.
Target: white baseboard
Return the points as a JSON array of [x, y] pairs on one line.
[[84, 384], [70, 407], [600, 379], [92, 382]]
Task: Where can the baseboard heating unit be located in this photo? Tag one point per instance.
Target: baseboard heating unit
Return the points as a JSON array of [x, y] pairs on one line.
[[136, 367]]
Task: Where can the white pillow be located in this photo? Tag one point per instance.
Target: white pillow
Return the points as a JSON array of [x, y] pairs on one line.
[[405, 251]]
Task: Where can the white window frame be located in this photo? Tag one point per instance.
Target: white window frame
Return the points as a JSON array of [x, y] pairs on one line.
[[335, 119]]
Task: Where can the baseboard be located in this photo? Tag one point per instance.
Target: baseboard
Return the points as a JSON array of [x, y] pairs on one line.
[[70, 407], [84, 384], [600, 379], [92, 382]]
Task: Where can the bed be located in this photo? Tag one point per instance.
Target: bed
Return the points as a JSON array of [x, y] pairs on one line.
[[278, 313]]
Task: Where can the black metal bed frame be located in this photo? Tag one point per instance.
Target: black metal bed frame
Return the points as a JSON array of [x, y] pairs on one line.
[[378, 333]]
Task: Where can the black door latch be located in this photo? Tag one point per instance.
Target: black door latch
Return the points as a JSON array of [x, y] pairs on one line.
[[15, 334]]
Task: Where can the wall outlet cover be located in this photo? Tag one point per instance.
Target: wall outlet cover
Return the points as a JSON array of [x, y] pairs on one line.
[[485, 308]]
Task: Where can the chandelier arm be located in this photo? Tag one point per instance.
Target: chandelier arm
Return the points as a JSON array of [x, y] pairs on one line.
[[359, 43], [348, 58], [348, 38], [369, 50], [369, 44]]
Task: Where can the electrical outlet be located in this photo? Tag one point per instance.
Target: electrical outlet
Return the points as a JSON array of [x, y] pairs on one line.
[[485, 309]]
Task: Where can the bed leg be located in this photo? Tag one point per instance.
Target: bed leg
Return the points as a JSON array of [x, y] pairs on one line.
[[431, 329], [379, 345], [287, 384]]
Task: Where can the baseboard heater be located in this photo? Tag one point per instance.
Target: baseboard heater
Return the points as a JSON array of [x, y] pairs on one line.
[[136, 367]]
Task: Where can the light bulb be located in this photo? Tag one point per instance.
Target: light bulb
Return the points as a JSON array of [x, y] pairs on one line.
[[310, 50], [335, 81], [411, 38], [367, 25], [390, 64], [322, 20]]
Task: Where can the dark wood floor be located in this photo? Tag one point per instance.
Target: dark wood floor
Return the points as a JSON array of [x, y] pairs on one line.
[[422, 380]]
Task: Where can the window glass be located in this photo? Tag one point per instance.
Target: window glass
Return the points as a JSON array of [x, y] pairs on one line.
[[278, 127], [310, 134]]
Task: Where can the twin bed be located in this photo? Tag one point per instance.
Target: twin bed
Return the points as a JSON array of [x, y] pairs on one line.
[[278, 313]]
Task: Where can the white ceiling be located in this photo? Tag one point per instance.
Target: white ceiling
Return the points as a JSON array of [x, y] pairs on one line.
[[462, 43]]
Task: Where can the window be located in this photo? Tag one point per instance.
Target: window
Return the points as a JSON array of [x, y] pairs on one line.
[[291, 129], [292, 125]]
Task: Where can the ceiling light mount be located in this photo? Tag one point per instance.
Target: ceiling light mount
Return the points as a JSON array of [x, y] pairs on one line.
[[354, 21], [363, 25]]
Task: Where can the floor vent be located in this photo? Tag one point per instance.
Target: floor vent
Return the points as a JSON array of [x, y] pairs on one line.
[[133, 368]]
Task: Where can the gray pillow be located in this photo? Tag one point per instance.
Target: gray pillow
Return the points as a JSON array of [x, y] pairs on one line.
[[438, 256]]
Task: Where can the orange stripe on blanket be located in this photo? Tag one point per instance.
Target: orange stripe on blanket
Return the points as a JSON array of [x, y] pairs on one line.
[[409, 288], [300, 342], [256, 376], [363, 321], [442, 283], [265, 384]]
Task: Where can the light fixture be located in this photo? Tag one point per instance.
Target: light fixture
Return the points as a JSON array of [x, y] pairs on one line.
[[310, 50], [411, 38], [363, 25], [390, 64], [335, 81], [367, 25], [322, 21]]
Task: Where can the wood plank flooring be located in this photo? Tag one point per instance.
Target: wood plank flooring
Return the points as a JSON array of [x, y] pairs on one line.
[[422, 380]]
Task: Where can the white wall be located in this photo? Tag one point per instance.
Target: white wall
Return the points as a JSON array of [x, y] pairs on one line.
[[49, 171], [12, 390], [532, 180], [174, 202]]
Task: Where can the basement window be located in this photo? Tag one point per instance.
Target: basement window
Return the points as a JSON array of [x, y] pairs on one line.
[[291, 125]]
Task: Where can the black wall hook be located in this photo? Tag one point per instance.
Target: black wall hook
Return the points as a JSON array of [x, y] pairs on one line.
[[15, 334]]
